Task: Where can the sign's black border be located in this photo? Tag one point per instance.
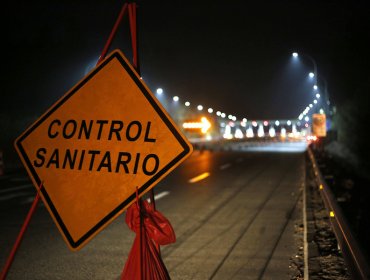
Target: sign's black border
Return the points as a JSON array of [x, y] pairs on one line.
[[184, 144]]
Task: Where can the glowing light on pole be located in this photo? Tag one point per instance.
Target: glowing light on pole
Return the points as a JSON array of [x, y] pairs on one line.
[[283, 132], [250, 133], [260, 132], [272, 132], [238, 133], [227, 134], [159, 91]]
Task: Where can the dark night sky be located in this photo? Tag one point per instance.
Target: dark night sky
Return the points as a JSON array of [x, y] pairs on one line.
[[233, 56]]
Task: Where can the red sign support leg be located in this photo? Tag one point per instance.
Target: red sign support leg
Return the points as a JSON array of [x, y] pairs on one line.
[[135, 63], [113, 33], [20, 235]]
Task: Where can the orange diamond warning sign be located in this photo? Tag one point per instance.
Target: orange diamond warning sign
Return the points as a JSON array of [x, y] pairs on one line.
[[319, 125], [93, 147]]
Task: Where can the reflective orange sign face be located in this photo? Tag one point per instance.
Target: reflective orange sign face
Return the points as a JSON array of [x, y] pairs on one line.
[[319, 125], [101, 140]]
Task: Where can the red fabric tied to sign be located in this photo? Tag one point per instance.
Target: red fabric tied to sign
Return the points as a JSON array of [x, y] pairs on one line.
[[151, 227]]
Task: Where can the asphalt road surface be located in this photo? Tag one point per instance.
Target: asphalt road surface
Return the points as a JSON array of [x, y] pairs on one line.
[[233, 214]]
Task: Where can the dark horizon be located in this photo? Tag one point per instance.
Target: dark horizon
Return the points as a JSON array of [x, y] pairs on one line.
[[232, 57]]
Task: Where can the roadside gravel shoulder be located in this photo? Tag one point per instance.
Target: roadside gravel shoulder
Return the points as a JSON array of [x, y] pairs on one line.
[[325, 260]]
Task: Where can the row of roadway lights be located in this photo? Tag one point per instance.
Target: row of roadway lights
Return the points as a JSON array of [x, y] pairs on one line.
[[239, 133], [200, 107], [223, 115], [304, 114]]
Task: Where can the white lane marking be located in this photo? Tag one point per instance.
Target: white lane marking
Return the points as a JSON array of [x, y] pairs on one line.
[[227, 165], [305, 244], [160, 195], [10, 196], [19, 179], [17, 188], [31, 199]]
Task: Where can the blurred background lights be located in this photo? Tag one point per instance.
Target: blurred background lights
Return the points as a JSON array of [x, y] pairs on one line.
[[250, 133], [159, 91]]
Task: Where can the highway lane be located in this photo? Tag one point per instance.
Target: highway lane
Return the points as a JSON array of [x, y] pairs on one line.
[[233, 214]]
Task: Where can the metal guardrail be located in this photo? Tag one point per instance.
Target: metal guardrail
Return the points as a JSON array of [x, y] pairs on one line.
[[353, 256]]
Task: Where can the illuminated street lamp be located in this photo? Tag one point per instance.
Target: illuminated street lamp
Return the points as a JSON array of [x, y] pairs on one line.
[[159, 91], [175, 98], [315, 75], [200, 107], [187, 103]]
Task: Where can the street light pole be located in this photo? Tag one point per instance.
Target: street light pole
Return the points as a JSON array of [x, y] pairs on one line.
[[326, 93]]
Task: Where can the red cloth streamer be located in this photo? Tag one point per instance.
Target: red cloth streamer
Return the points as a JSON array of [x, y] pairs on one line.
[[144, 261]]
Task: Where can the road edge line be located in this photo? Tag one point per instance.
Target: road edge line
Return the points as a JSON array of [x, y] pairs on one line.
[[305, 244]]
